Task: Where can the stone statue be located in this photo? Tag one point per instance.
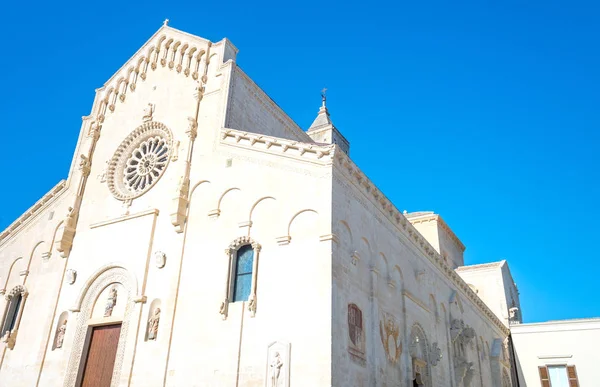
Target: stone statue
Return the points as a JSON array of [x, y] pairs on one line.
[[275, 369], [111, 302], [514, 317], [60, 334], [153, 325]]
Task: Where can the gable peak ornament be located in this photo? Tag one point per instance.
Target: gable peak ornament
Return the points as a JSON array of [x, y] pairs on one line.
[[324, 96]]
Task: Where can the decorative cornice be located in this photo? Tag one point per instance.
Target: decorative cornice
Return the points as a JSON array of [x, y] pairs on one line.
[[153, 211], [352, 173], [32, 211], [482, 266], [436, 217], [322, 154]]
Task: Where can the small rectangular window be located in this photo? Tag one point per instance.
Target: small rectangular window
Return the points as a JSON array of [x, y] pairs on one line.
[[558, 376]]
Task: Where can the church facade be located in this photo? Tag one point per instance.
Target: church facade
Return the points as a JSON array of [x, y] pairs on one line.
[[202, 238]]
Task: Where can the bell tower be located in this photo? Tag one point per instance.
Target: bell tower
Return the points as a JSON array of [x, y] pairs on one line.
[[323, 131]]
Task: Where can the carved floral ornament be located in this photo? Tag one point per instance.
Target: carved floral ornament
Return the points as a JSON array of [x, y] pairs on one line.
[[139, 161]]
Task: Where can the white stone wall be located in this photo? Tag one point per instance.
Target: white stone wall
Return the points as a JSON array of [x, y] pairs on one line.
[[377, 267], [567, 342], [250, 109], [268, 185], [494, 285]]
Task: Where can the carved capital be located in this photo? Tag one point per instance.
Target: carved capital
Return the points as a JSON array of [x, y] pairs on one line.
[[224, 309]]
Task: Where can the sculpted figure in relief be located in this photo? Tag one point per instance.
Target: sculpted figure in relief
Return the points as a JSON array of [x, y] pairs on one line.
[[148, 112], [111, 302], [153, 324], [275, 369], [60, 334]]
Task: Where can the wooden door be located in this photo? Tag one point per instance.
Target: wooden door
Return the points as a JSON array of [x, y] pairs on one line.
[[100, 359]]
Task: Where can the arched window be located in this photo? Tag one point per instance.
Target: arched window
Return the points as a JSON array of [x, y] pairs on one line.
[[12, 314], [242, 285], [241, 278]]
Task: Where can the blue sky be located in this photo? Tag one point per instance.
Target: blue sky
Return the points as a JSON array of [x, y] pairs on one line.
[[485, 112]]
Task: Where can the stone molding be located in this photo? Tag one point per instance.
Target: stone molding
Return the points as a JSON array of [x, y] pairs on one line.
[[482, 266], [153, 211], [442, 223], [278, 146], [32, 211], [353, 175]]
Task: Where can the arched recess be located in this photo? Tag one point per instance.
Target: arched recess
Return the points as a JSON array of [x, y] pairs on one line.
[[433, 306], [60, 330], [10, 271], [345, 234], [419, 353], [153, 321], [262, 215], [384, 285], [398, 278], [93, 287], [203, 184], [228, 205], [303, 224]]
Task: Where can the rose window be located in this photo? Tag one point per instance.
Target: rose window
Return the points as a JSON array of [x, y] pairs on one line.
[[140, 161], [146, 164]]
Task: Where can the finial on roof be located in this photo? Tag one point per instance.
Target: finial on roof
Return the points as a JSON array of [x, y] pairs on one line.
[[324, 96], [166, 22]]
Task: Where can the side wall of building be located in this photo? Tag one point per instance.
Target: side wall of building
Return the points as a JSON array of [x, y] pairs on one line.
[[559, 343], [251, 109], [29, 259], [380, 269]]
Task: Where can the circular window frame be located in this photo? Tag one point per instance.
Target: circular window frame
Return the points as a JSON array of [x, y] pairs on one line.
[[118, 163]]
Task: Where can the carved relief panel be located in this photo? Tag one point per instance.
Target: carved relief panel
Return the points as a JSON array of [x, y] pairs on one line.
[[278, 365], [389, 331]]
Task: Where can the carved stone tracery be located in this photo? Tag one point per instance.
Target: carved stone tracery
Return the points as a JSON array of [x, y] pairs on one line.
[[140, 161]]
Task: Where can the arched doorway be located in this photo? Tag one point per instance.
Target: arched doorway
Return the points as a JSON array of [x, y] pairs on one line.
[[105, 306], [419, 353]]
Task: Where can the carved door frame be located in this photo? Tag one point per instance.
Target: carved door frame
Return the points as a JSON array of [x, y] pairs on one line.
[[107, 276]]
